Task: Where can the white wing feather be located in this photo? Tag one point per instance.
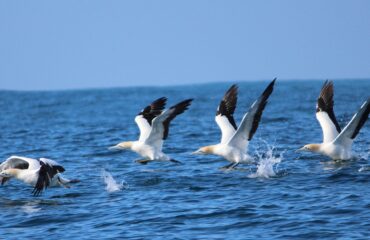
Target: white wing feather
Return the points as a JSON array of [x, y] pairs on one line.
[[227, 130], [329, 130], [144, 127], [344, 138], [155, 137], [49, 162], [240, 138], [12, 161]]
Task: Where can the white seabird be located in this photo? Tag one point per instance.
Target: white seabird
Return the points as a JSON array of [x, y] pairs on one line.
[[235, 140], [154, 125], [337, 143], [40, 173]]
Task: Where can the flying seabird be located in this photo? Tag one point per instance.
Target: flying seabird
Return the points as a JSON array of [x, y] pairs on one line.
[[154, 122], [40, 173], [234, 140], [337, 143]]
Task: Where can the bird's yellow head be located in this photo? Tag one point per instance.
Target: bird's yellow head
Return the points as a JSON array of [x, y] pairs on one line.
[[313, 147], [9, 173], [121, 146], [204, 150], [125, 145]]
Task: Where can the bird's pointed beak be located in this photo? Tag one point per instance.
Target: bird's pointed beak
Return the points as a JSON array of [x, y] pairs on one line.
[[197, 152], [115, 148], [2, 174], [300, 149]]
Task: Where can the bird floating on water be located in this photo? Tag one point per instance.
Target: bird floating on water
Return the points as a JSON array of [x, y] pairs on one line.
[[40, 173], [154, 122], [337, 143], [235, 140]]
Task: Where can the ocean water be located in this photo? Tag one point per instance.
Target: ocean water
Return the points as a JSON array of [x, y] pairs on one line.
[[283, 195]]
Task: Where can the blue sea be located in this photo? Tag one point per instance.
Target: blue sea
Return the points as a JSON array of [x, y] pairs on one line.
[[283, 195]]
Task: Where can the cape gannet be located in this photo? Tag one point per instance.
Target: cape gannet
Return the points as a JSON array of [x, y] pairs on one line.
[[40, 173], [234, 140], [337, 143], [154, 125]]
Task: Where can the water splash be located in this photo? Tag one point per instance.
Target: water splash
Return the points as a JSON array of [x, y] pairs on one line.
[[267, 163], [111, 184]]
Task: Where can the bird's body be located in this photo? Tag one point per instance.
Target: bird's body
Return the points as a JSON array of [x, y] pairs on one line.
[[337, 143], [229, 152], [145, 150], [39, 173], [332, 150], [235, 140], [336, 151], [154, 123]]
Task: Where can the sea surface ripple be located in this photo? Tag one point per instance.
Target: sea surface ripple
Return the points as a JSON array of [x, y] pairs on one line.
[[283, 195]]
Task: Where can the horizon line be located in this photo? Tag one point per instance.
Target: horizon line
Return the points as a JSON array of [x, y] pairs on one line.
[[173, 85]]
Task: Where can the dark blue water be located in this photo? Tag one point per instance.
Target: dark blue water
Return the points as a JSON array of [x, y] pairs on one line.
[[306, 196]]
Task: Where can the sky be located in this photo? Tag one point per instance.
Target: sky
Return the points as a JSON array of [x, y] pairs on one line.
[[91, 44]]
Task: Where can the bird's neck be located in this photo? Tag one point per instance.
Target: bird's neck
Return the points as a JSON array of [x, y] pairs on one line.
[[211, 149], [15, 172], [126, 145], [315, 147]]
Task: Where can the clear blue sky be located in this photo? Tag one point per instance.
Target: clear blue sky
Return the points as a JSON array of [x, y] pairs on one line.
[[86, 43]]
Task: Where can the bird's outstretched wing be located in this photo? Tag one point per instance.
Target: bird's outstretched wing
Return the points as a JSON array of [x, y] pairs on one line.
[[161, 124], [350, 131], [145, 117], [325, 113], [251, 119], [225, 114], [48, 169], [14, 162]]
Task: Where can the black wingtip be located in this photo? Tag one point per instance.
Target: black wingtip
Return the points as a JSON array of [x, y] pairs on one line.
[[325, 102], [183, 105], [233, 87], [179, 108], [263, 101], [159, 102], [161, 99], [327, 94], [363, 118], [228, 104], [327, 84], [269, 88], [232, 92], [154, 109], [59, 168]]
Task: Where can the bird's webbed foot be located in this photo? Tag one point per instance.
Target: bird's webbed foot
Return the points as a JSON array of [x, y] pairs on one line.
[[143, 161], [230, 166]]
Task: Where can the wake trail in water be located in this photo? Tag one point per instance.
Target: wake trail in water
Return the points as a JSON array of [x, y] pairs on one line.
[[111, 184], [267, 163]]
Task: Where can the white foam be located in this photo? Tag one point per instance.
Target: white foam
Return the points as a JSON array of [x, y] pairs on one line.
[[364, 169], [111, 184], [30, 208], [267, 163]]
